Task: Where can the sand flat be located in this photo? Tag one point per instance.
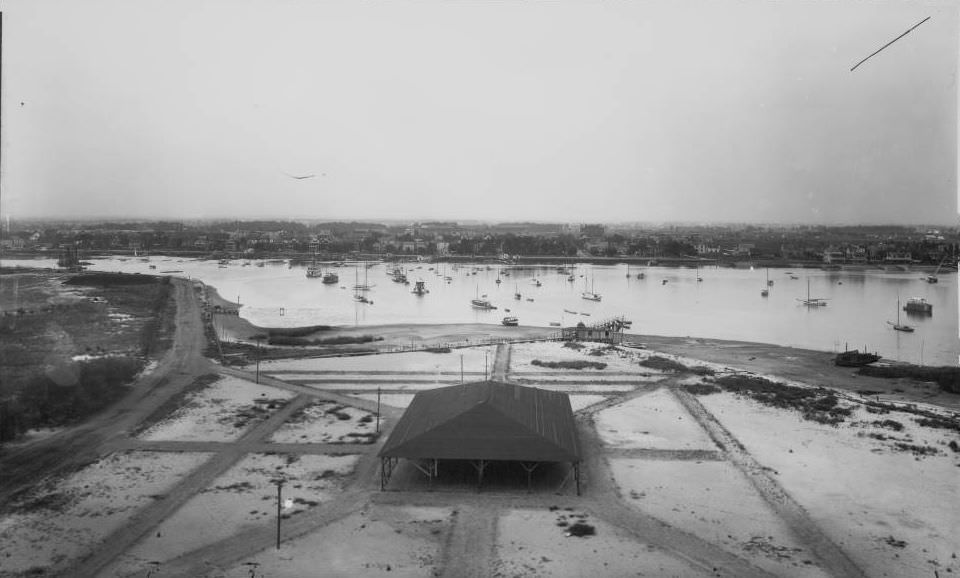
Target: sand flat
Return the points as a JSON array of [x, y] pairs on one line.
[[891, 511]]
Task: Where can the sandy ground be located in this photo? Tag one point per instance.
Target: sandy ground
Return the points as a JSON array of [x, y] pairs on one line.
[[655, 420], [711, 499], [222, 411], [327, 423], [418, 361], [617, 360], [244, 495], [533, 543], [61, 520], [377, 541], [866, 495]]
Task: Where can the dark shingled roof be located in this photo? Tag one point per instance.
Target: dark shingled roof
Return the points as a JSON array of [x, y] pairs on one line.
[[487, 420]]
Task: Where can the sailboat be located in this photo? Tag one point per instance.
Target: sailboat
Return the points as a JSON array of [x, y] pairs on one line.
[[590, 295], [481, 302], [516, 293], [358, 289], [769, 280], [899, 326], [933, 278], [765, 291], [498, 277], [812, 302], [366, 286]]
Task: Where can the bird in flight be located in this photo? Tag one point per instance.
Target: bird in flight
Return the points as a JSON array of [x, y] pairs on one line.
[[300, 177]]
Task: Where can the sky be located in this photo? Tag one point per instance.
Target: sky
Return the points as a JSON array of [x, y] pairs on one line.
[[577, 111]]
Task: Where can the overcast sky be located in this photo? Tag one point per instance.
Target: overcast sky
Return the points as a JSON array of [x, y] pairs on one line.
[[547, 111]]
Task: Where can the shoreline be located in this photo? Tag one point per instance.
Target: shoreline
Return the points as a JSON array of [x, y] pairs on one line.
[[780, 362]]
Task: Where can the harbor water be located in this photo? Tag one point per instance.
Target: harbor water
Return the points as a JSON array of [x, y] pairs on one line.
[[725, 304]]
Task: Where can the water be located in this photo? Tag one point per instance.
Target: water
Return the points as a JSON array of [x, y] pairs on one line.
[[726, 305]]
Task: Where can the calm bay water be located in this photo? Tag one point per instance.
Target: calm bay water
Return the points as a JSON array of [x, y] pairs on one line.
[[726, 305]]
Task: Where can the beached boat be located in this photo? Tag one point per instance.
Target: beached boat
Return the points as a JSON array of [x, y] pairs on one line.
[[918, 305], [854, 358], [510, 321]]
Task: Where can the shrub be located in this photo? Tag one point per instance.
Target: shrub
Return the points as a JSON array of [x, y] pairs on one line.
[[581, 529], [569, 364], [701, 388], [889, 424], [573, 345], [296, 331]]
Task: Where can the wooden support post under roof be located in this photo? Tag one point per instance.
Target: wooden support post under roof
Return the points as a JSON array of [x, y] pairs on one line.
[[529, 469]]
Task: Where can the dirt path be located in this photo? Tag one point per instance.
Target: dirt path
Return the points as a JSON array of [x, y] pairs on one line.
[[77, 446], [470, 550], [830, 557], [603, 499], [501, 363]]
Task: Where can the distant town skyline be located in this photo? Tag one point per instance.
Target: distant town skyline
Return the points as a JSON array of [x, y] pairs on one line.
[[654, 112]]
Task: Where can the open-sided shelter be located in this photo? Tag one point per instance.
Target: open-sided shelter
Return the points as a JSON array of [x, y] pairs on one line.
[[484, 422]]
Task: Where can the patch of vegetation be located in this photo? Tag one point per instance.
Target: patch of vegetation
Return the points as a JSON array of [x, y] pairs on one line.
[[51, 502], [819, 405], [953, 445], [936, 421], [889, 424], [701, 388], [438, 349], [948, 378], [575, 345], [337, 411], [237, 487], [114, 325], [67, 394], [364, 437], [661, 363], [113, 279], [581, 529], [296, 331], [916, 450], [876, 408], [569, 364], [891, 541], [339, 340]]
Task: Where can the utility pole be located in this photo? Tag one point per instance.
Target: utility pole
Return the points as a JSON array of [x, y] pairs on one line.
[[378, 409], [279, 483], [258, 338], [461, 368]]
